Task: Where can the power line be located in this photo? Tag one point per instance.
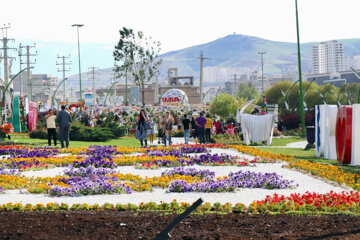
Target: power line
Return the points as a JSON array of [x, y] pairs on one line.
[[202, 58], [93, 81], [63, 70], [5, 49], [28, 65]]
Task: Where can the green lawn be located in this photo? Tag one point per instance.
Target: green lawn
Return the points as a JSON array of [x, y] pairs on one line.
[[309, 155], [275, 141], [124, 141], [285, 141]]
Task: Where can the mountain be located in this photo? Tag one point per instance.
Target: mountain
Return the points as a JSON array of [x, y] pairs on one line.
[[234, 53]]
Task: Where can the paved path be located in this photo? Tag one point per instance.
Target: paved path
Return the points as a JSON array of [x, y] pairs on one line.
[[301, 144]]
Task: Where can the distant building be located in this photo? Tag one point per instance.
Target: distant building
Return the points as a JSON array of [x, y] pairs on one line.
[[257, 81], [39, 89], [356, 64], [338, 79], [229, 88], [153, 91], [328, 57]]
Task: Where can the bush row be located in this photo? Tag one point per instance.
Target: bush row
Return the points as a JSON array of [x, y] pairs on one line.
[[79, 132]]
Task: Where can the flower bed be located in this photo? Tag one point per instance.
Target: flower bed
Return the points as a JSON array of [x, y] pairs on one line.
[[229, 183], [173, 206], [309, 202], [326, 171], [95, 170]]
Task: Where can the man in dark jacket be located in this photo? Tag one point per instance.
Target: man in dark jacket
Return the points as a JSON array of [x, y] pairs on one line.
[[64, 120]]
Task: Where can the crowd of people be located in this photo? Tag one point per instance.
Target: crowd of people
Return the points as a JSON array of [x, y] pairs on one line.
[[196, 126], [193, 125]]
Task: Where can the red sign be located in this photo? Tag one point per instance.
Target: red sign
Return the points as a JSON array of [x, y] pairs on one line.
[[343, 134], [170, 99]]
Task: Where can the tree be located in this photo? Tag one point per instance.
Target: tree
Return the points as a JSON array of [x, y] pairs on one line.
[[247, 91], [277, 91], [138, 55], [224, 105], [350, 94]]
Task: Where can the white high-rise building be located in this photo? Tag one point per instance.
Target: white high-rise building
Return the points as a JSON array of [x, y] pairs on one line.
[[356, 62], [328, 57]]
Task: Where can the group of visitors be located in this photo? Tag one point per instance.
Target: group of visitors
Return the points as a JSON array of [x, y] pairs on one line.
[[199, 127], [63, 119], [146, 127]]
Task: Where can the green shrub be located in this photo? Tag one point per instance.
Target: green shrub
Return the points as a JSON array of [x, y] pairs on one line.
[[118, 131], [291, 132], [79, 132], [39, 134]]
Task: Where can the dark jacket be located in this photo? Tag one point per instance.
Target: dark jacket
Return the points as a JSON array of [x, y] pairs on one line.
[[63, 118]]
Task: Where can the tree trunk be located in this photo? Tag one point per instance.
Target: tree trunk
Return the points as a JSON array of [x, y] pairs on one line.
[[143, 94]]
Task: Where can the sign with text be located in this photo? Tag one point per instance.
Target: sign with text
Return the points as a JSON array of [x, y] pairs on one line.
[[174, 97]]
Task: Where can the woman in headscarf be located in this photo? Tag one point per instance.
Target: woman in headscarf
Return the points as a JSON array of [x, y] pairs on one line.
[[141, 131]]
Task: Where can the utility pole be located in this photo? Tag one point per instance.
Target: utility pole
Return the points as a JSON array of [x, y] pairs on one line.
[[93, 82], [71, 90], [5, 48], [262, 70], [202, 58], [63, 70], [20, 63], [28, 63]]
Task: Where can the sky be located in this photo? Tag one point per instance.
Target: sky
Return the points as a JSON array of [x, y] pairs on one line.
[[180, 24]]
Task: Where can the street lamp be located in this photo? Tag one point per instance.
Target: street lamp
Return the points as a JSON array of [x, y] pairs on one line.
[[53, 97], [77, 27], [302, 113], [262, 70]]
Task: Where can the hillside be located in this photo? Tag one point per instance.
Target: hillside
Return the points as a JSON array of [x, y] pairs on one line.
[[235, 51]]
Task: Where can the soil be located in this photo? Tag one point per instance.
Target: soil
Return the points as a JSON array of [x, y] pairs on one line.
[[146, 225]]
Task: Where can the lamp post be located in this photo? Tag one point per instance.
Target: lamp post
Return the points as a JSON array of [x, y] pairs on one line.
[[77, 27], [302, 113], [112, 85], [53, 97], [262, 70]]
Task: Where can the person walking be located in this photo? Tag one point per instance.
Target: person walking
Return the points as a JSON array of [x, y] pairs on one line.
[[141, 131], [200, 123], [208, 126], [64, 120], [167, 128], [51, 126], [160, 129], [185, 128], [194, 128], [151, 131]]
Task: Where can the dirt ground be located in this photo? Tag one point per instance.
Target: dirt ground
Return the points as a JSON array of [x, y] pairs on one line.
[[146, 225]]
